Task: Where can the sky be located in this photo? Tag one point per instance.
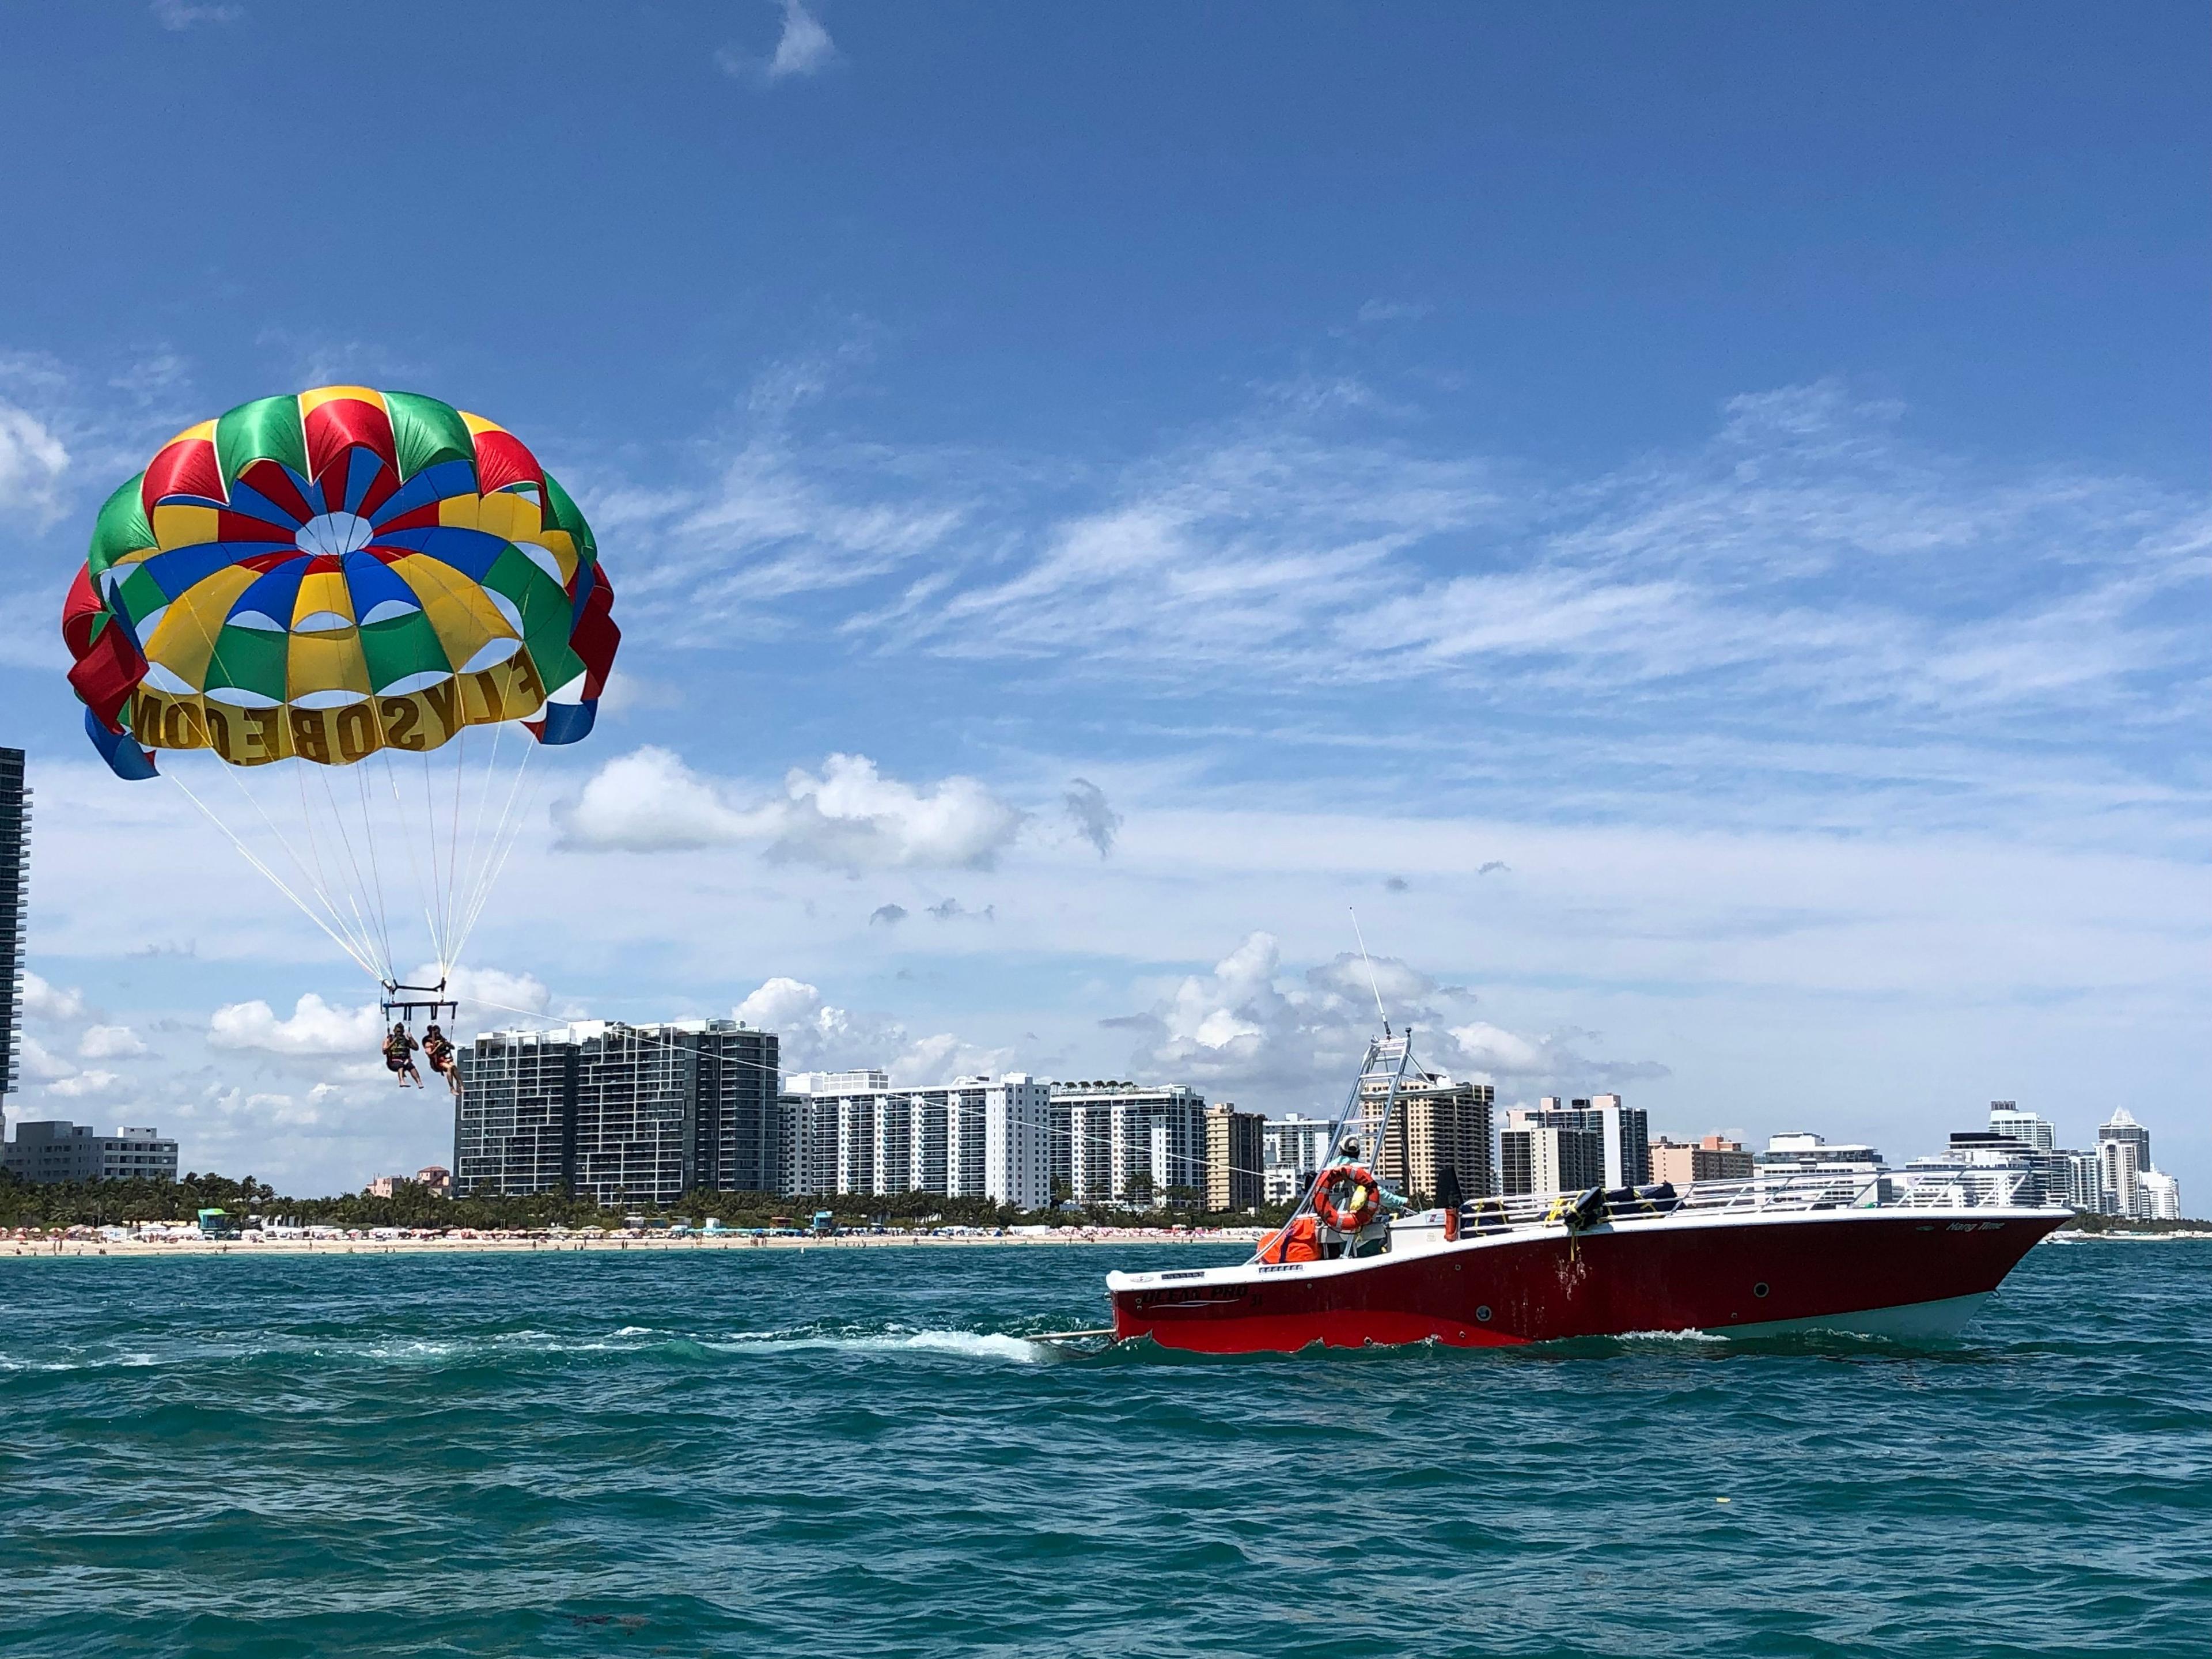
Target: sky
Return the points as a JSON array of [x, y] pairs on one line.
[[1691, 522]]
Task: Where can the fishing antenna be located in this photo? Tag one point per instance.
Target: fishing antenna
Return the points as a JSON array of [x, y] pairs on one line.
[[1371, 984]]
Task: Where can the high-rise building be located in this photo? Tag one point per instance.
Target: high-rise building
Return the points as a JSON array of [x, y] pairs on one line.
[[1129, 1140], [2082, 1176], [1621, 1134], [1291, 1149], [1628, 1132], [1981, 1166], [1712, 1158], [54, 1150], [2007, 1119], [15, 901], [1437, 1128], [619, 1112], [738, 1136], [1536, 1153], [1233, 1169], [1805, 1164], [2162, 1196], [2122, 1154], [1799, 1150], [977, 1137], [1624, 1131]]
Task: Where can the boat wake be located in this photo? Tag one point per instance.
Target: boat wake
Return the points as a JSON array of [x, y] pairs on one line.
[[965, 1345]]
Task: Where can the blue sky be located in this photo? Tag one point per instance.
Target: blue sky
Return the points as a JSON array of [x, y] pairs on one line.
[[1692, 519]]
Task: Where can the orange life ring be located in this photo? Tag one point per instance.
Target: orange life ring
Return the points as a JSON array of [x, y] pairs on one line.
[[1361, 1207]]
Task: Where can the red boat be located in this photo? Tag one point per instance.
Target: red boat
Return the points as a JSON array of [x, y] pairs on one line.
[[1817, 1251]]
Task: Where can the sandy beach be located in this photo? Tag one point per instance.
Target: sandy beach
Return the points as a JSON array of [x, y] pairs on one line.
[[52, 1247]]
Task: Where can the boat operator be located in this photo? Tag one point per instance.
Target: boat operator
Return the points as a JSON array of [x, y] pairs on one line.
[[1353, 1206]]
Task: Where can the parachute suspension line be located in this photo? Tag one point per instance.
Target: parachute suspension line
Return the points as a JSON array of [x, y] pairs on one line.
[[375, 869], [314, 848], [437, 934], [275, 880], [354, 894], [505, 836], [446, 850], [359, 890], [307, 878], [474, 869], [453, 838], [414, 863], [512, 822]]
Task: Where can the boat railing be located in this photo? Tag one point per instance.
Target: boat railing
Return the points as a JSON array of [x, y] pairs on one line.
[[1766, 1193], [1796, 1190]]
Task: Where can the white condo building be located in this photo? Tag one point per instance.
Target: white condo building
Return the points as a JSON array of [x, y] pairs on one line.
[[2007, 1119], [1623, 1134], [2125, 1163], [1292, 1148], [2161, 1196], [977, 1137], [2068, 1177], [2122, 1154], [1114, 1140]]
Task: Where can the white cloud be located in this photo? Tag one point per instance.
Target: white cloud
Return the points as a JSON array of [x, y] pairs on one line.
[[1243, 1028], [648, 802], [817, 1035], [785, 1005], [109, 1043], [1808, 566], [1394, 311], [31, 463], [178, 16], [775, 524], [1245, 553], [315, 1027], [42, 1065], [42, 1000], [849, 817], [87, 1085], [488, 995], [804, 48]]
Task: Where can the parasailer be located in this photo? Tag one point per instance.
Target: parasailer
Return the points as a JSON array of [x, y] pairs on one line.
[[348, 597], [399, 1046], [438, 1050]]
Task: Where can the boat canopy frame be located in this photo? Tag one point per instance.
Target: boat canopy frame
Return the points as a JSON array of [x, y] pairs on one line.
[[1389, 1056]]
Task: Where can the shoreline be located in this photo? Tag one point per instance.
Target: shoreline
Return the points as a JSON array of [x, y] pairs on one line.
[[54, 1249], [71, 1248]]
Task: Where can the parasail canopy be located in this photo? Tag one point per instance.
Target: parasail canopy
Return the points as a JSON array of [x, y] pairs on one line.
[[330, 573]]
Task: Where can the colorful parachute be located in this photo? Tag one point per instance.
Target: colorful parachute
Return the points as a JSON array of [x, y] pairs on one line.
[[330, 577], [332, 574]]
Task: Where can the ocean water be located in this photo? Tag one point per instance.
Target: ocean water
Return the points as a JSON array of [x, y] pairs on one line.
[[852, 1452]]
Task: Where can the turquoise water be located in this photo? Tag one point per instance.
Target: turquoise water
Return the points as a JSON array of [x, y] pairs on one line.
[[834, 1453]]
